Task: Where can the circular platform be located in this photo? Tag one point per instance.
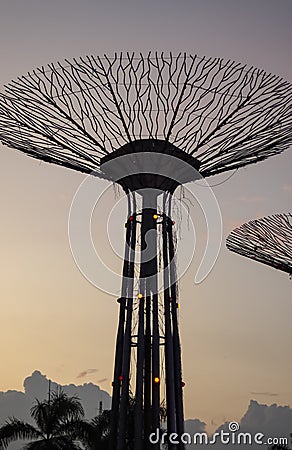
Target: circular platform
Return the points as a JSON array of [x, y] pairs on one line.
[[150, 163]]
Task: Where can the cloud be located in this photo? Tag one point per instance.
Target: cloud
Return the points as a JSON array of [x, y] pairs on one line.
[[271, 420], [193, 426], [18, 404], [102, 380], [86, 372], [266, 394]]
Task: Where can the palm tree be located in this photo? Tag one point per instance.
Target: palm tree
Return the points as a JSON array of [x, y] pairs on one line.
[[59, 422], [61, 426], [94, 435]]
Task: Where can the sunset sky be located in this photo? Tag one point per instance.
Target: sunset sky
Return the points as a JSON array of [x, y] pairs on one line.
[[236, 326]]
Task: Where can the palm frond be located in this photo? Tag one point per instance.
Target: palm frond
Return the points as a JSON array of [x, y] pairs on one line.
[[48, 414], [60, 443], [15, 429], [65, 407], [94, 435], [41, 412], [74, 429]]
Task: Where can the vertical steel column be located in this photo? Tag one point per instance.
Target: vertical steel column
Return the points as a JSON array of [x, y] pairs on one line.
[[155, 370], [147, 395], [141, 341], [138, 437], [169, 375], [126, 355], [117, 373], [155, 354], [148, 269], [147, 368], [120, 339], [176, 339]]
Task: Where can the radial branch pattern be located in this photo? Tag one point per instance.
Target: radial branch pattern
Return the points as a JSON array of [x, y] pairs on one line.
[[267, 240], [74, 113]]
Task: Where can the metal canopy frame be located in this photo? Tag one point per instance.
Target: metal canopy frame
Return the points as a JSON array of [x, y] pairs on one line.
[[74, 113], [267, 240]]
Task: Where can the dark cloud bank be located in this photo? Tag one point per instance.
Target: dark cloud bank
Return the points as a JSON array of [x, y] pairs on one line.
[[272, 420], [18, 404]]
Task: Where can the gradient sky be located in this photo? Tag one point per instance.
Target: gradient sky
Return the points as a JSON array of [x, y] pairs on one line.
[[236, 326]]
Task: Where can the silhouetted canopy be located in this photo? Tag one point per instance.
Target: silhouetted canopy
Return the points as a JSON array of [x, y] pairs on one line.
[[267, 240], [75, 113]]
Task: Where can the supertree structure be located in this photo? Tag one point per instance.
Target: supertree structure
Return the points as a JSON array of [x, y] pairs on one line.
[[150, 123], [267, 240]]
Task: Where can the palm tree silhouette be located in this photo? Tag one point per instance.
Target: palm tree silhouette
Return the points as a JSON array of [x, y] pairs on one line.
[[94, 435], [60, 425], [60, 422]]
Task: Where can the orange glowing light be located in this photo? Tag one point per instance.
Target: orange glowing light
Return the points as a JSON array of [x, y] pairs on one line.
[[156, 380], [140, 295], [155, 216]]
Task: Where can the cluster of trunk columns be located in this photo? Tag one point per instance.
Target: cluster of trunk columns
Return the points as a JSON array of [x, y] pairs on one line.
[[142, 229]]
